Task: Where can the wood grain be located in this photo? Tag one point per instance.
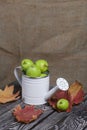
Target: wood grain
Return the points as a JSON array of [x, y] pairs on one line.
[[49, 120]]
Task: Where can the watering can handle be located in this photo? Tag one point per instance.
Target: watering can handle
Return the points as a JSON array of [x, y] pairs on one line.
[[17, 75]]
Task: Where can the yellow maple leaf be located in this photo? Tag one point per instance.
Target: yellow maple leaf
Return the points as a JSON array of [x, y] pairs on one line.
[[7, 94]]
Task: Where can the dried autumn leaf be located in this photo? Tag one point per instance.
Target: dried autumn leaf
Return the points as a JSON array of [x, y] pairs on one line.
[[26, 114], [7, 94], [76, 93]]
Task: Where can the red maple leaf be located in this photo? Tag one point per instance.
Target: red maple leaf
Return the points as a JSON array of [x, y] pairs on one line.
[[26, 114]]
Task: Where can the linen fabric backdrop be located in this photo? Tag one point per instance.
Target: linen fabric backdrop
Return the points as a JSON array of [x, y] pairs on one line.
[[54, 30]]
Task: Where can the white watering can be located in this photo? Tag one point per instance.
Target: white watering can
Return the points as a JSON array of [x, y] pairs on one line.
[[35, 91]]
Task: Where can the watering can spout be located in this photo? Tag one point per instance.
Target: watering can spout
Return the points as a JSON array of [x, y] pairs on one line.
[[62, 84]]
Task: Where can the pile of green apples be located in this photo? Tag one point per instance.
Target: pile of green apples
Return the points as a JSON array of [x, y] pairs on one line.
[[36, 69]]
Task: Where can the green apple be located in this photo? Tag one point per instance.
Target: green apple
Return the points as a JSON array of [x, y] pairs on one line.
[[62, 104], [43, 75], [33, 71], [25, 63], [42, 64]]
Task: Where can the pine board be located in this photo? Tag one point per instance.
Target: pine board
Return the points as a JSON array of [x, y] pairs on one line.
[[49, 120]]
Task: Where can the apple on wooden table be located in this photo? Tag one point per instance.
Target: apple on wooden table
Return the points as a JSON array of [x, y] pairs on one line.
[[62, 104]]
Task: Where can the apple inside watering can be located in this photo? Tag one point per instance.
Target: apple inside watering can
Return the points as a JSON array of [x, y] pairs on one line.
[[36, 90]]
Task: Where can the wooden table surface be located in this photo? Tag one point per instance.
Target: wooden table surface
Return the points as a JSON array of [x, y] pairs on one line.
[[49, 120]]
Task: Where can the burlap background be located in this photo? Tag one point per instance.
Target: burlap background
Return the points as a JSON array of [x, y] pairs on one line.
[[55, 30]]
